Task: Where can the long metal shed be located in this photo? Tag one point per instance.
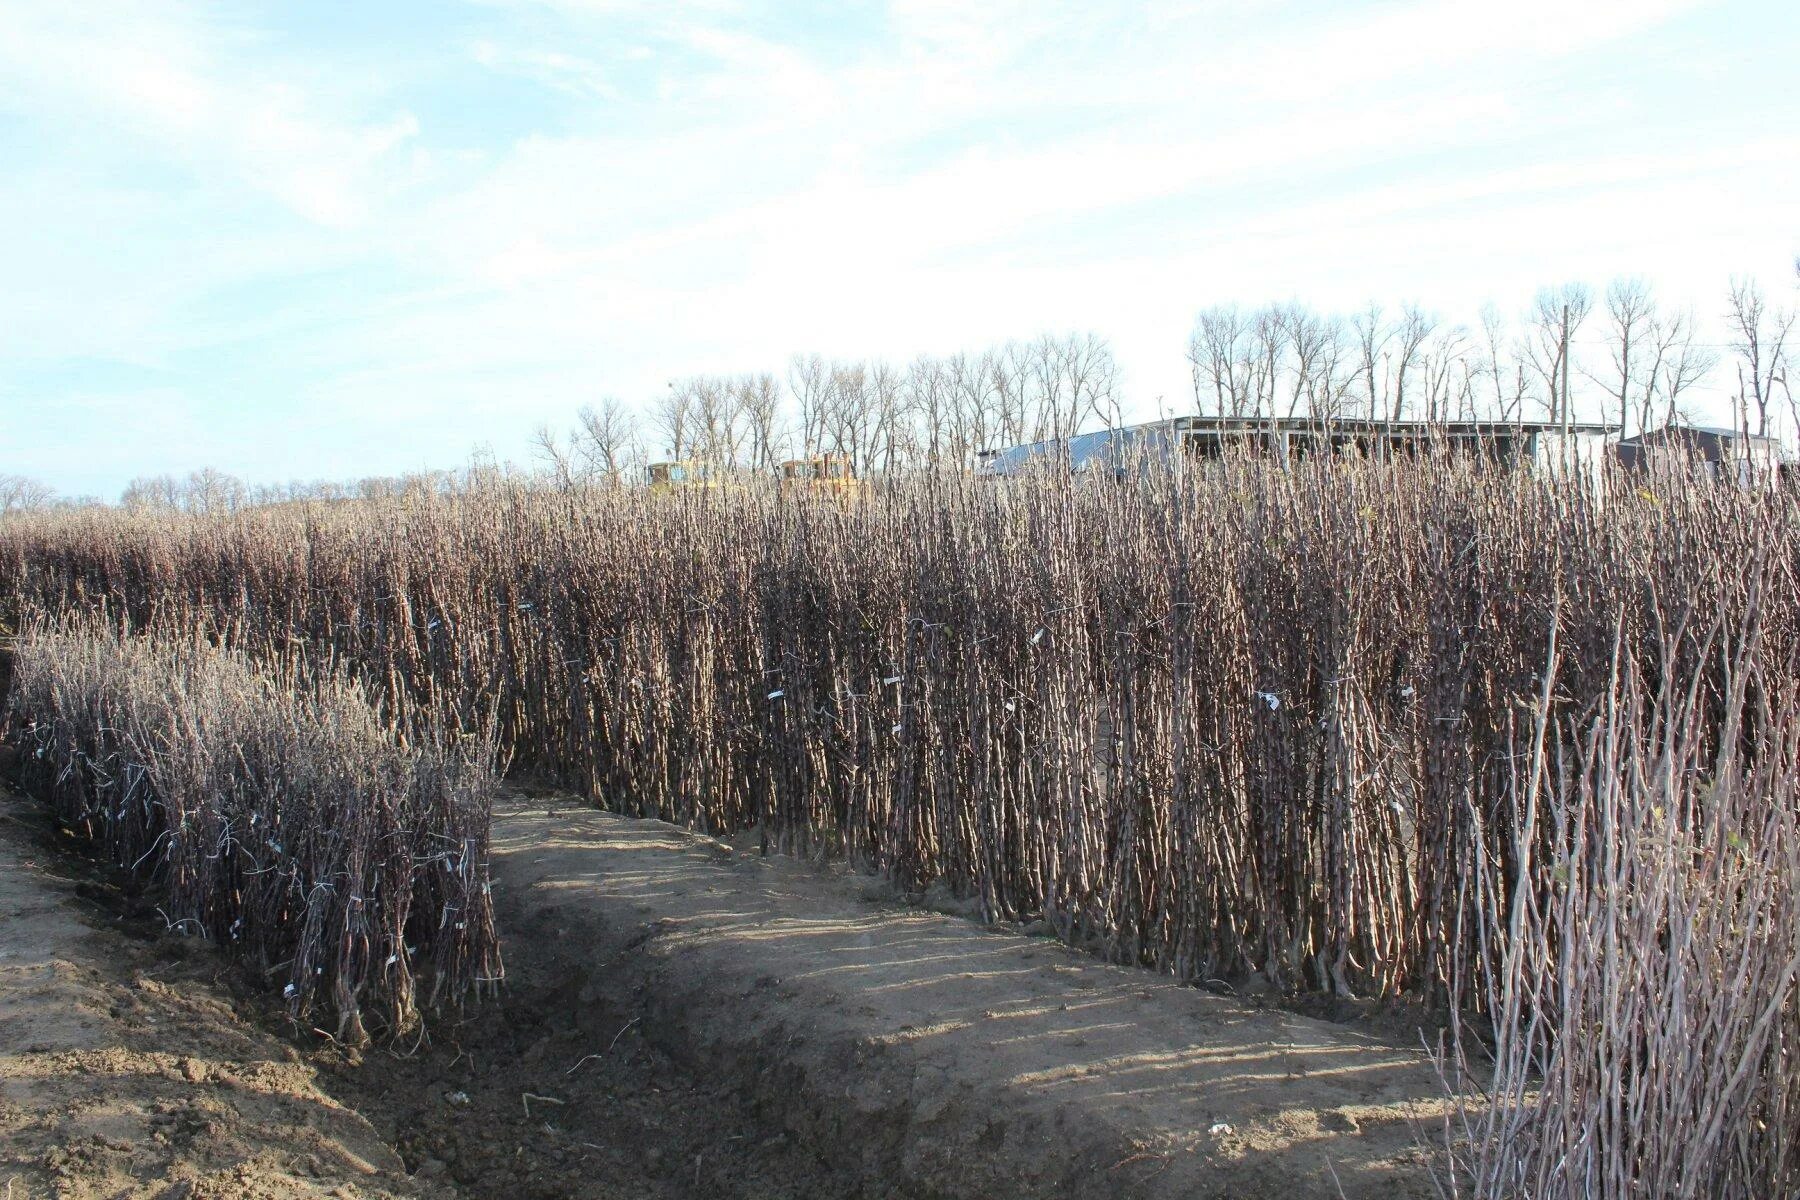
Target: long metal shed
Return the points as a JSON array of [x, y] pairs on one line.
[[1179, 440]]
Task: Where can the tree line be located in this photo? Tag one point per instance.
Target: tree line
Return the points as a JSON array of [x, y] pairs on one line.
[[1642, 365], [938, 410], [1622, 356]]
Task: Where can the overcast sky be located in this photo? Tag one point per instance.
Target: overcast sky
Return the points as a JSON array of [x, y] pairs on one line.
[[334, 239]]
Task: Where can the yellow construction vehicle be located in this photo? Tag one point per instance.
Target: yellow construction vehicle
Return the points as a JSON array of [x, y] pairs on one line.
[[678, 476], [822, 475]]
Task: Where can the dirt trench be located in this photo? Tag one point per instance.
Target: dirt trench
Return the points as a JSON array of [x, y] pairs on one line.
[[555, 1091], [922, 1055], [683, 1018]]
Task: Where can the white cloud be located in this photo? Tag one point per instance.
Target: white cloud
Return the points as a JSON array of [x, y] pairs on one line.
[[573, 74], [167, 76]]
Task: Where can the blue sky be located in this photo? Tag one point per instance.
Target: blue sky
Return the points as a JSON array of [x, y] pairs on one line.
[[337, 239]]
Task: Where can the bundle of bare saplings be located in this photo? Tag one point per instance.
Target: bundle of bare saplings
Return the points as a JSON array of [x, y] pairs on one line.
[[1642, 1036], [281, 813], [1241, 721]]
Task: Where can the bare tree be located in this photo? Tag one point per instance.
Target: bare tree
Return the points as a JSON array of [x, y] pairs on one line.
[[759, 400], [975, 405], [1683, 365], [378, 487], [810, 381], [1041, 398], [672, 416], [1268, 359], [1555, 317], [1760, 337], [931, 400], [1067, 379], [1331, 371], [717, 420], [1631, 316], [148, 493], [1668, 365], [1009, 379], [1503, 365], [1092, 377], [1218, 352], [1306, 335], [891, 434], [849, 413], [560, 460], [1372, 336], [1444, 368], [604, 436], [212, 492], [1468, 402], [1409, 334], [19, 493]]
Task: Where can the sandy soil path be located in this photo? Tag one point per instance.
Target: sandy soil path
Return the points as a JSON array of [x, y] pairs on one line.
[[926, 1056], [683, 1018]]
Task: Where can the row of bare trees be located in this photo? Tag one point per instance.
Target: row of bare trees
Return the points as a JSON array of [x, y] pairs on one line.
[[21, 493], [205, 492], [935, 411], [1624, 357], [942, 410], [212, 492], [1286, 360], [1642, 361]]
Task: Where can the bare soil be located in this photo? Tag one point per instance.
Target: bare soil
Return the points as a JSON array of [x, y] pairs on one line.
[[683, 1018], [125, 1072], [923, 1055], [139, 1064]]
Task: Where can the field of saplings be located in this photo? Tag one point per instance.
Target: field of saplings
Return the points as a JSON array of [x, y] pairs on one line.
[[1425, 731]]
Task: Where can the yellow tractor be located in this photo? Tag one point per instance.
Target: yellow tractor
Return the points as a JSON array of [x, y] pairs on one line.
[[666, 477], [830, 476]]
